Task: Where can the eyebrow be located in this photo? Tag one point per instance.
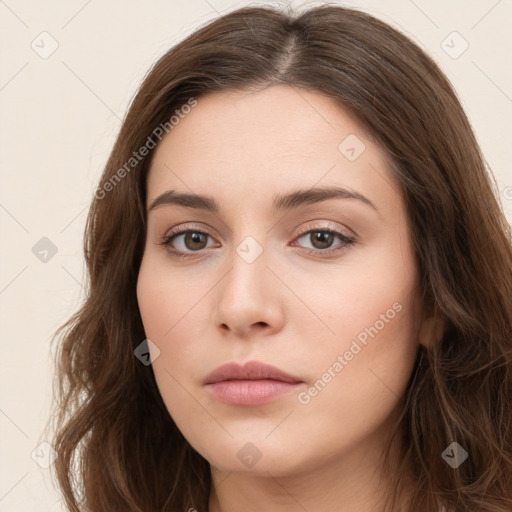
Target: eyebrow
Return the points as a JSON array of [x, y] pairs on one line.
[[288, 201]]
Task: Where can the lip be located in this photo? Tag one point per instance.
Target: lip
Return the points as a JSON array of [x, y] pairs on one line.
[[254, 383]]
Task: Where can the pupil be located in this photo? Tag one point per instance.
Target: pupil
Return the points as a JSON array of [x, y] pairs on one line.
[[194, 238], [322, 237]]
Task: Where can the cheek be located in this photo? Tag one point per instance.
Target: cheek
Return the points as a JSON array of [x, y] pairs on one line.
[[359, 375], [372, 351], [165, 306], [148, 301], [173, 314], [163, 298], [373, 341], [367, 298]]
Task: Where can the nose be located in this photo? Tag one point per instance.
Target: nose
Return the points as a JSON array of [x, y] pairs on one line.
[[249, 299]]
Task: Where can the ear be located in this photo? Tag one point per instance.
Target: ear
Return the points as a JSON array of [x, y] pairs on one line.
[[432, 325]]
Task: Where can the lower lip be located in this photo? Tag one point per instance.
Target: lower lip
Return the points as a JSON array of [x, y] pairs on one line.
[[250, 392]]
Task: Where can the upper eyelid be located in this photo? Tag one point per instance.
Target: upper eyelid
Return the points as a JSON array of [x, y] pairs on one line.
[[196, 227]]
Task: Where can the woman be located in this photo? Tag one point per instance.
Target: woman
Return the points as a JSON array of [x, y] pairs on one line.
[[300, 285]]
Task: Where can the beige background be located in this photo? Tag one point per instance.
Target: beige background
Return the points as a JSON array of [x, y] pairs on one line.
[[59, 116]]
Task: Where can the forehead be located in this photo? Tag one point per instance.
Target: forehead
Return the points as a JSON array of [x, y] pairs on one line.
[[243, 144], [239, 124]]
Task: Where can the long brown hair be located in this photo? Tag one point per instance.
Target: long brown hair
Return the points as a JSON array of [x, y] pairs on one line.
[[117, 446]]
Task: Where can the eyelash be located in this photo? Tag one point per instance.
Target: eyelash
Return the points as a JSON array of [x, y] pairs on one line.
[[346, 240]]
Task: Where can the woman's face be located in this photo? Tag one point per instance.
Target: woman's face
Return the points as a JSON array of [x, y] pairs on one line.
[[274, 263]]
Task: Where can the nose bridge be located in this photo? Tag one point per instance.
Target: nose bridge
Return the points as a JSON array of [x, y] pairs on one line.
[[247, 295], [250, 251], [248, 276]]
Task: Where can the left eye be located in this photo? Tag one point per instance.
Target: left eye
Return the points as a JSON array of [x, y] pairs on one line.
[[322, 239]]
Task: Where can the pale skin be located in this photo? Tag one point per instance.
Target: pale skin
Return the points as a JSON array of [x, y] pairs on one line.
[[296, 306]]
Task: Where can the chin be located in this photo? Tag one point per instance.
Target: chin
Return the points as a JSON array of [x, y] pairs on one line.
[[257, 457]]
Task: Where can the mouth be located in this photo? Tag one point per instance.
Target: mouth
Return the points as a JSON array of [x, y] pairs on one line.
[[252, 384]]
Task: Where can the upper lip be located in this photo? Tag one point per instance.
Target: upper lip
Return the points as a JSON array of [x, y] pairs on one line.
[[253, 370]]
